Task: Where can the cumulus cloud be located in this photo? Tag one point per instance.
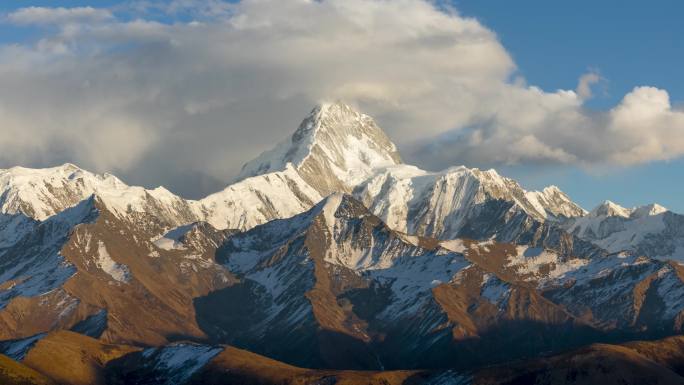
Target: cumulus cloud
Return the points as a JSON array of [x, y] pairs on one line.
[[543, 128], [156, 101], [648, 126]]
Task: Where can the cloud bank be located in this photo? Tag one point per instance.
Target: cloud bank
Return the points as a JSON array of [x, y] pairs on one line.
[[42, 15], [158, 92]]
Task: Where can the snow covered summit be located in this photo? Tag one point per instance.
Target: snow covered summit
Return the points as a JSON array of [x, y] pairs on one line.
[[42, 193], [609, 209], [334, 149]]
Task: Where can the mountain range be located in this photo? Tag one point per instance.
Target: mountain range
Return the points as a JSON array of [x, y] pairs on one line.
[[328, 260]]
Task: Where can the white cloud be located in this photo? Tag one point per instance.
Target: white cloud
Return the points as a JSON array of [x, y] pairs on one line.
[[153, 101], [585, 83], [648, 126], [534, 127], [44, 15]]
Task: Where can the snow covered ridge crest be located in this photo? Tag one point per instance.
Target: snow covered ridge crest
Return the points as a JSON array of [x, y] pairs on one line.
[[612, 209], [42, 193], [335, 149]]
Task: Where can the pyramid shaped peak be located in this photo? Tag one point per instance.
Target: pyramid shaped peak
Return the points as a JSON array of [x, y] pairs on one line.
[[338, 109], [340, 119], [325, 111], [335, 106], [333, 149], [610, 209]]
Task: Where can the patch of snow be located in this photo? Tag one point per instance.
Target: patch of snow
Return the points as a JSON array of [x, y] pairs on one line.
[[332, 203], [455, 245], [168, 244], [118, 271], [449, 377], [413, 276], [529, 261], [171, 239], [494, 290], [175, 364]]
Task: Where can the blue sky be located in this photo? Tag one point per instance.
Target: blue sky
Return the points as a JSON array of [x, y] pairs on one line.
[[630, 43], [190, 117]]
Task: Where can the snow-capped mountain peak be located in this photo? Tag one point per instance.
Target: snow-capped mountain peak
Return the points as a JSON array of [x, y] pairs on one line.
[[650, 230], [334, 148], [648, 210], [610, 209], [549, 203], [551, 200], [42, 193]]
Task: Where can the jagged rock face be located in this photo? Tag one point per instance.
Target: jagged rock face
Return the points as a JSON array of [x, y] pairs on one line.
[[34, 264], [617, 292], [299, 270], [468, 203], [336, 287], [449, 204], [333, 287], [13, 227], [87, 259]]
